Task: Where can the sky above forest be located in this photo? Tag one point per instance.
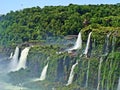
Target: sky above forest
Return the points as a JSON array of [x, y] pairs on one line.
[[12, 5]]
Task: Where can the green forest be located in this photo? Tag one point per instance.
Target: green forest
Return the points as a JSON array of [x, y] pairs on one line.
[[48, 31], [35, 24]]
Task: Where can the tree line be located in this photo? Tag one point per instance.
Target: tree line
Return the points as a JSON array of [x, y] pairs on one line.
[[37, 23]]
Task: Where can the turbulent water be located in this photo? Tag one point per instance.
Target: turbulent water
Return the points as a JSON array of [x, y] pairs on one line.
[[99, 72], [96, 72], [11, 55], [88, 43], [23, 58], [14, 59], [78, 43], [4, 78], [87, 76], [44, 72], [71, 74]]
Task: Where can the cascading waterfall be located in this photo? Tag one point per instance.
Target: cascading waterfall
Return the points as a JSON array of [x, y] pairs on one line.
[[14, 59], [78, 44], [87, 45], [16, 54], [112, 63], [71, 74], [87, 76], [118, 87], [106, 47], [23, 58], [93, 75], [43, 73], [105, 53], [11, 55], [113, 43], [99, 73]]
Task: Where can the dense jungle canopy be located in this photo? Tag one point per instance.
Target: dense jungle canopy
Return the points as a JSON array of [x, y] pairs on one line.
[[37, 23]]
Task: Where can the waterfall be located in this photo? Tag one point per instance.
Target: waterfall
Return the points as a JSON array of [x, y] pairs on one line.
[[106, 46], [78, 44], [71, 74], [87, 76], [118, 88], [99, 73], [23, 58], [44, 72], [11, 55], [113, 43], [87, 45], [107, 41], [14, 60]]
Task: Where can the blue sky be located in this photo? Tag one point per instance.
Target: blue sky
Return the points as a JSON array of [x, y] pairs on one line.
[[13, 5]]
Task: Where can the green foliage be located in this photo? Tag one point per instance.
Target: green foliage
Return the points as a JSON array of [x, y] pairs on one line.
[[36, 23]]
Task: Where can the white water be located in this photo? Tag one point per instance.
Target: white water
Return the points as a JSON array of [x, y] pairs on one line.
[[88, 43], [5, 84], [23, 58], [8, 86], [99, 73], [71, 74], [44, 72], [11, 55], [87, 76], [107, 46], [118, 88], [14, 59], [78, 44]]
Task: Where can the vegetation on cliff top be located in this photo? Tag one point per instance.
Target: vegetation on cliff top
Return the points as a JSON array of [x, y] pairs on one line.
[[38, 23]]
